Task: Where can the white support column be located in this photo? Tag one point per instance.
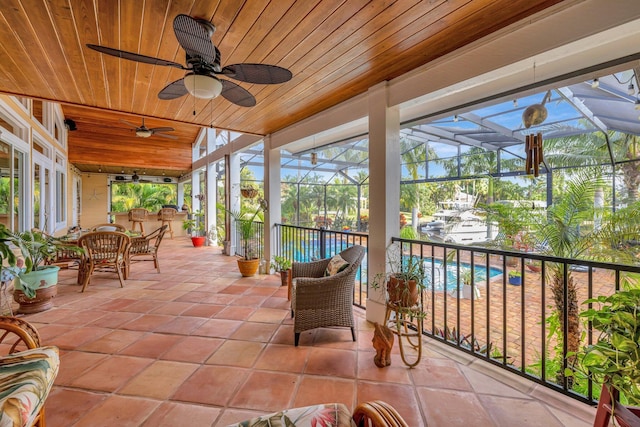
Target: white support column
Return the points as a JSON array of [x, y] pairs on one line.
[[212, 185], [233, 175], [384, 190], [195, 191], [272, 196]]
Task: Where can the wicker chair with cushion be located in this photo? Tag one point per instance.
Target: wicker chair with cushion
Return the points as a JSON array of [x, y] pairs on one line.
[[320, 300], [109, 227], [370, 414], [146, 248], [104, 250], [27, 373]]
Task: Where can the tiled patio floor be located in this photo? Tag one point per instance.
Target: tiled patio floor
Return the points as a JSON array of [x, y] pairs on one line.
[[199, 345]]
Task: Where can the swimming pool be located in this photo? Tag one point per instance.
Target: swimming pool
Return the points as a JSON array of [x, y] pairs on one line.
[[435, 274]]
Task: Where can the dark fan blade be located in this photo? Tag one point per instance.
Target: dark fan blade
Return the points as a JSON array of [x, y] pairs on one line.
[[135, 57], [194, 38], [165, 135], [131, 125], [173, 90], [165, 129], [237, 94], [258, 73]]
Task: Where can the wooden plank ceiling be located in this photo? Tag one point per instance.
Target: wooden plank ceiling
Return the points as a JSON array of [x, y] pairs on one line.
[[336, 49]]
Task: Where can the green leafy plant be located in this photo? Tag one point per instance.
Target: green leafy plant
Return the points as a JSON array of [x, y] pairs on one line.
[[244, 221], [404, 271], [196, 224], [614, 359], [281, 263], [515, 273]]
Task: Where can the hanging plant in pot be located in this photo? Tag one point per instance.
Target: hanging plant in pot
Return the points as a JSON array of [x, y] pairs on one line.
[[249, 263], [35, 284], [196, 226]]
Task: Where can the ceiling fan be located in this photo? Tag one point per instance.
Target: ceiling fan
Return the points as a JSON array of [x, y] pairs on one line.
[[145, 132], [135, 178], [203, 66]]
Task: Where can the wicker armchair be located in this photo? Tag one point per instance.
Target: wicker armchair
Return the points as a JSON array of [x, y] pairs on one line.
[[145, 248], [103, 250], [319, 301]]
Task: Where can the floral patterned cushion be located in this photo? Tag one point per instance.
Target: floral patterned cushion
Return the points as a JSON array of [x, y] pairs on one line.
[[325, 415], [336, 265], [26, 378]]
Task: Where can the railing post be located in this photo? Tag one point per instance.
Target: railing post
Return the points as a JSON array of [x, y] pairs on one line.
[[323, 242]]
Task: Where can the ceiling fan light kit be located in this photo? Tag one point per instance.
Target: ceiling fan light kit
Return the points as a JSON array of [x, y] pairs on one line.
[[201, 86], [143, 133]]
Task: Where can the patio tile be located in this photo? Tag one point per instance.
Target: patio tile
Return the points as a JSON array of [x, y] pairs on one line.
[[251, 331], [171, 414], [122, 411], [282, 358], [152, 345], [112, 342], [331, 362], [181, 325], [60, 413], [148, 322], [192, 349], [269, 315], [453, 408], [74, 363], [505, 411], [211, 385], [111, 374], [218, 328], [159, 380], [315, 389], [235, 313], [236, 353], [265, 391]]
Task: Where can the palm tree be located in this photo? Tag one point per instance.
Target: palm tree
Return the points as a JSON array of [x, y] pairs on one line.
[[413, 156]]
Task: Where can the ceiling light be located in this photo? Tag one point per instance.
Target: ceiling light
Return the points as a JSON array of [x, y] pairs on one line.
[[455, 118], [143, 133], [631, 89], [515, 103], [595, 83], [200, 86]]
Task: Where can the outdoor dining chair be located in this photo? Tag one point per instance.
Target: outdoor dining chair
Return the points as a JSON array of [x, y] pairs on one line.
[[145, 248], [104, 250], [322, 291], [138, 216]]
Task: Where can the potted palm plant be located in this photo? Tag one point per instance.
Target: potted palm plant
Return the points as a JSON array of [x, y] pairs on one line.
[[469, 289], [249, 262], [196, 226], [35, 284]]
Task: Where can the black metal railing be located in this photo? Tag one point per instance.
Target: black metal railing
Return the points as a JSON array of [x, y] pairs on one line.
[[515, 326], [302, 244], [255, 244]]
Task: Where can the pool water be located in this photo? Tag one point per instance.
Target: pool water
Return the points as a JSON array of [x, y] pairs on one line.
[[435, 273]]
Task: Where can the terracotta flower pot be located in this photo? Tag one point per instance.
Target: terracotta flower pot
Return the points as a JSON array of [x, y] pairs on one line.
[[198, 240], [248, 267], [401, 293], [284, 277], [41, 302]]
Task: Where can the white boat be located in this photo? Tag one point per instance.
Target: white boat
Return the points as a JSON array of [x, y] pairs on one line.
[[458, 221]]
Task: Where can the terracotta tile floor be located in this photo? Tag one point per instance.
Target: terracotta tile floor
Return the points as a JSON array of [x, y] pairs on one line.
[[199, 345]]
